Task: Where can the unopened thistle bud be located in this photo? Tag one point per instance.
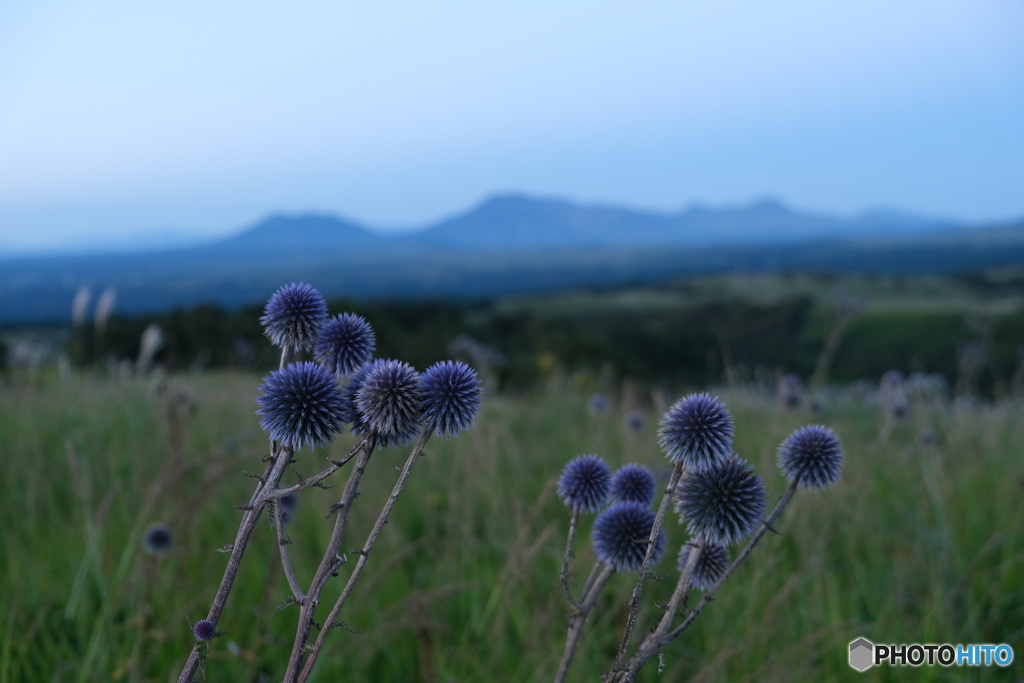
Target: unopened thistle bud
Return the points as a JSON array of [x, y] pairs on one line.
[[204, 630]]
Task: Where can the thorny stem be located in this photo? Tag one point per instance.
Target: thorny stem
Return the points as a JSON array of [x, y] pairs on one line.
[[587, 601], [331, 560], [654, 640], [590, 581], [278, 493], [364, 555], [645, 653], [634, 600], [564, 576], [286, 560], [253, 510], [318, 477], [280, 458]]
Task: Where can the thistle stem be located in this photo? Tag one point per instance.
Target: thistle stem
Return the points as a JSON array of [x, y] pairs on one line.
[[286, 560], [572, 640], [564, 576], [634, 601], [590, 581], [249, 519], [331, 560], [364, 555], [643, 654], [655, 639], [280, 457], [319, 476]]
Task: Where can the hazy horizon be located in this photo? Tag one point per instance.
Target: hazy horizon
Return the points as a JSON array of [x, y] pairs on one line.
[[170, 238]]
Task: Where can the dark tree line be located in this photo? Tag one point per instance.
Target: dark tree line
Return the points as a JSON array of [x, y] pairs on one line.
[[692, 345]]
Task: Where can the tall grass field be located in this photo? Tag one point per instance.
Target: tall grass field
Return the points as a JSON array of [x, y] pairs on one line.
[[920, 541]]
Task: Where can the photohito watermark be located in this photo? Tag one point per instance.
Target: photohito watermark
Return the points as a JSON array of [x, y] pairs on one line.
[[864, 654]]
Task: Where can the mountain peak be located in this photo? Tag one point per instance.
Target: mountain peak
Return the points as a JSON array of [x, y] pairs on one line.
[[302, 231], [769, 205]]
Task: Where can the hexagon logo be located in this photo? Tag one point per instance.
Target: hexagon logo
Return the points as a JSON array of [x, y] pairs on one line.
[[862, 654]]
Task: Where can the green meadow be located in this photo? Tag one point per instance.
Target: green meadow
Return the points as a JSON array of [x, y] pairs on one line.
[[917, 543]]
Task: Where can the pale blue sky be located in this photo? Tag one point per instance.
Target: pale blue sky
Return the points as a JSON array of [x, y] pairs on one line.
[[128, 118]]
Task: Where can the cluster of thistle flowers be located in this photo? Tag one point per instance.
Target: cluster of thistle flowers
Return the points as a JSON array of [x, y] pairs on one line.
[[716, 495], [308, 403]]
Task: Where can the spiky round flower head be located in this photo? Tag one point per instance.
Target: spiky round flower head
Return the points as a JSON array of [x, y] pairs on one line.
[[349, 411], [597, 404], [451, 397], [811, 456], [585, 483], [633, 482], [294, 316], [722, 503], [697, 429], [634, 421], [157, 539], [712, 563], [204, 630], [389, 399], [621, 533], [346, 342], [301, 405]]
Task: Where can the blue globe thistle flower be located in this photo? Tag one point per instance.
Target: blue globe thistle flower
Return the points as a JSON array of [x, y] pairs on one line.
[[294, 316], [722, 503], [620, 536], [451, 397], [388, 398], [346, 342], [811, 456], [711, 564], [635, 421], [301, 405], [157, 539], [597, 404], [697, 429], [204, 630], [352, 415], [633, 482], [585, 483], [349, 411]]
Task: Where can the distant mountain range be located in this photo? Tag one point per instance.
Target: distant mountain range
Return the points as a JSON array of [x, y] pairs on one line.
[[508, 244], [516, 222]]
